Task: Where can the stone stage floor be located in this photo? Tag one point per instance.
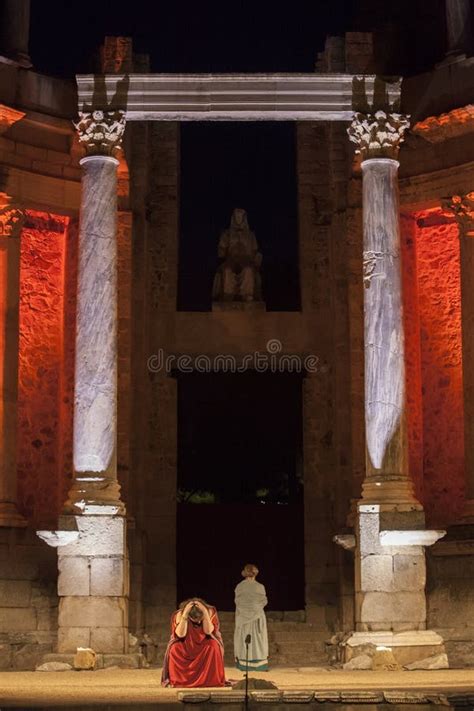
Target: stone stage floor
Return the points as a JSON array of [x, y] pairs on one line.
[[134, 689]]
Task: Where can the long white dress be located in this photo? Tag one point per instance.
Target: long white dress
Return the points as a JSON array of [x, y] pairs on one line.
[[250, 601]]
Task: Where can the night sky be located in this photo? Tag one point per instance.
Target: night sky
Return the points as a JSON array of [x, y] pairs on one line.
[[237, 35]]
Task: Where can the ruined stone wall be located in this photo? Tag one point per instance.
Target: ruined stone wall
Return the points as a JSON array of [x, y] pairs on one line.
[[320, 471], [155, 166], [439, 303], [41, 363], [28, 568]]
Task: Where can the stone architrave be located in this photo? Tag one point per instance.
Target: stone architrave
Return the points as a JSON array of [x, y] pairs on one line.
[[93, 568], [11, 222], [390, 602], [462, 207]]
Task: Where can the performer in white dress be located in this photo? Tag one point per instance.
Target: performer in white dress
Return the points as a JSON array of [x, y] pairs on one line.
[[250, 601]]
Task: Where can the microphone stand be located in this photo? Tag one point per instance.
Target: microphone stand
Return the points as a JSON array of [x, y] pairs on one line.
[[247, 642]]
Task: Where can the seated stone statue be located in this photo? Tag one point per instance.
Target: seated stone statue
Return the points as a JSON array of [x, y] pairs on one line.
[[238, 278]]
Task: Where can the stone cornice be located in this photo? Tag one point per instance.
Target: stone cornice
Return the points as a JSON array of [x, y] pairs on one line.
[[8, 117], [436, 129], [236, 97], [429, 189]]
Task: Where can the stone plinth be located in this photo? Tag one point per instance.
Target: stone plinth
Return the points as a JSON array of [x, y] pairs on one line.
[[93, 586], [407, 647]]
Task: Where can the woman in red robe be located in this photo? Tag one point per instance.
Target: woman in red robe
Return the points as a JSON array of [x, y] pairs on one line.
[[195, 653]]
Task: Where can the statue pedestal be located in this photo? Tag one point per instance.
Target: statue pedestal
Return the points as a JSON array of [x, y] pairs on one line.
[[238, 306]]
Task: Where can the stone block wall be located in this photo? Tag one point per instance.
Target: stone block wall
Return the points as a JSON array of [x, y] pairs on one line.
[[28, 599], [450, 599]]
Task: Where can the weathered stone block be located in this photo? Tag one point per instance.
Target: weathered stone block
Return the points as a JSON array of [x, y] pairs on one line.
[[376, 573], [29, 656], [15, 593], [388, 607], [98, 535], [85, 658], [47, 619], [108, 576], [70, 638], [74, 575], [5, 656], [409, 572], [17, 619], [17, 570], [109, 640], [124, 661], [93, 612]]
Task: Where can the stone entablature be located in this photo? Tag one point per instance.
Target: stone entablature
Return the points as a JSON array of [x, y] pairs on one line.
[[235, 97], [436, 129]]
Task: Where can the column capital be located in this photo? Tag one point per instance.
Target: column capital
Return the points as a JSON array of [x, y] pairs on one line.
[[11, 220], [462, 207], [8, 117], [101, 132], [378, 135]]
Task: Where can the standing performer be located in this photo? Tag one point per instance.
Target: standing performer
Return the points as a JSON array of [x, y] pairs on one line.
[[195, 653], [250, 601]]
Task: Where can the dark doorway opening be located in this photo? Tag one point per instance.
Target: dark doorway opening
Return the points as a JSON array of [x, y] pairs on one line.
[[240, 491], [250, 166]]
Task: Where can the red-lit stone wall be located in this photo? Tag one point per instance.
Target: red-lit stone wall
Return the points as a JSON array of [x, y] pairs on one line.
[[439, 305], [44, 387]]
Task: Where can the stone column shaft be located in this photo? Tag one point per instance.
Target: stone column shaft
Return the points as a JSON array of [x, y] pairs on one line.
[[15, 34], [387, 477], [11, 221], [95, 489]]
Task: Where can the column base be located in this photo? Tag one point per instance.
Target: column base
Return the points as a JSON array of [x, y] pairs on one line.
[[10, 517], [94, 495], [380, 490], [407, 647]]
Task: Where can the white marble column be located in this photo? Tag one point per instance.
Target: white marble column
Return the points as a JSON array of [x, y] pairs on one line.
[[390, 572], [95, 488], [92, 548], [462, 207], [387, 479], [11, 221], [458, 26], [15, 33]]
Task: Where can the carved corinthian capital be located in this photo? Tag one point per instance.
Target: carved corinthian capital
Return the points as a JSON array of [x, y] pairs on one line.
[[11, 221], [462, 207], [101, 131], [378, 135]]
